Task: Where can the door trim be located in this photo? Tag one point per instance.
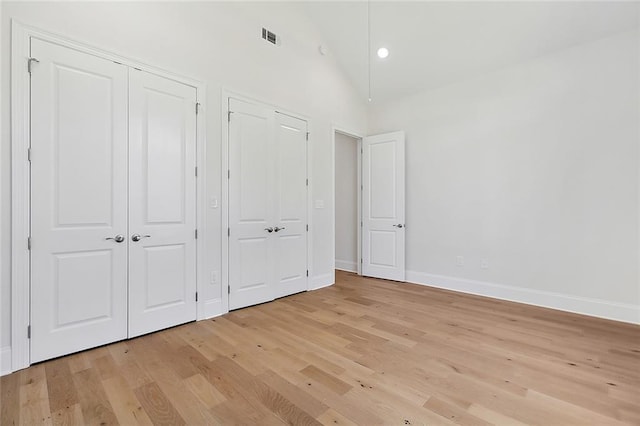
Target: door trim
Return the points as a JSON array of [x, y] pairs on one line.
[[224, 154], [21, 182], [358, 137]]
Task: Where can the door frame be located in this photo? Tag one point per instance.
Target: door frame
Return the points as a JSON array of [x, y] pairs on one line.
[[21, 35], [224, 184], [358, 136]]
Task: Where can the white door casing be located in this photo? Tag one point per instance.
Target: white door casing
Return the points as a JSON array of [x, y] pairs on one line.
[[383, 206], [78, 200], [162, 201], [267, 204]]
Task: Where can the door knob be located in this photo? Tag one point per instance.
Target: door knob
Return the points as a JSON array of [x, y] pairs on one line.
[[118, 238], [138, 237], [399, 225], [278, 229], [269, 229]]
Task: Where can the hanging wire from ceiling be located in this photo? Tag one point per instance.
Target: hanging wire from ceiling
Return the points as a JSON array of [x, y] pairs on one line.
[[369, 47]]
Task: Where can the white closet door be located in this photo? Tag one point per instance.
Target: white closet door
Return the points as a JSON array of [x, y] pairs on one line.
[[383, 206], [251, 204], [162, 191], [291, 205], [78, 200]]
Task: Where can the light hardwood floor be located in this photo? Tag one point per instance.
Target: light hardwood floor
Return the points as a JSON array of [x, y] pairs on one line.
[[363, 351]]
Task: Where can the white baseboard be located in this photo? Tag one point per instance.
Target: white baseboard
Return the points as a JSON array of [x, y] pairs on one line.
[[5, 360], [581, 305], [346, 265], [320, 281]]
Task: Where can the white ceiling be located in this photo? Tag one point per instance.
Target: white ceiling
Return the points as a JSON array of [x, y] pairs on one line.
[[433, 44]]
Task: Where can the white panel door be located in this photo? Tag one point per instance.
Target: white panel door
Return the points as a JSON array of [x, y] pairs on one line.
[[267, 204], [290, 230], [162, 200], [78, 201], [251, 204], [383, 206]]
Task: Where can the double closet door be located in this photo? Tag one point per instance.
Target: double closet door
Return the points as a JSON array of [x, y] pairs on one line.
[[267, 204], [113, 154]]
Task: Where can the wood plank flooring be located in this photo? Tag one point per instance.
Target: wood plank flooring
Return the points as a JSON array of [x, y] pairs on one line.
[[364, 351]]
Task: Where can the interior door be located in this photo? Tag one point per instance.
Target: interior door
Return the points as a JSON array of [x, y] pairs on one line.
[[290, 230], [162, 200], [383, 206], [251, 204], [78, 201]]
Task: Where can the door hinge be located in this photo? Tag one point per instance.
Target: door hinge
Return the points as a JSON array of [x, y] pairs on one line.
[[307, 272], [228, 174], [197, 108], [196, 232], [228, 289], [196, 296], [307, 136], [29, 332], [307, 182], [229, 115], [307, 227], [361, 224], [30, 62], [228, 232], [360, 260], [29, 154], [29, 243], [196, 171]]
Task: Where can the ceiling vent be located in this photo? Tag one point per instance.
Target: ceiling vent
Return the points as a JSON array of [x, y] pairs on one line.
[[270, 37]]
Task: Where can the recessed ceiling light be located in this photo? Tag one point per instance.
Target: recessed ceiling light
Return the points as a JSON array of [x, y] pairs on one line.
[[383, 52]]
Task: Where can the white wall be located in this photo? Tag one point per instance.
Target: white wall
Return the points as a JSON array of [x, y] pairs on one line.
[[535, 169], [218, 43], [346, 187]]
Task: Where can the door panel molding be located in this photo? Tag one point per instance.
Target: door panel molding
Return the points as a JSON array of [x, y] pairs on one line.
[[21, 35]]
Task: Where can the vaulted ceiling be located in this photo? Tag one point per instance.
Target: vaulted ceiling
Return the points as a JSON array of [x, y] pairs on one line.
[[433, 44]]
